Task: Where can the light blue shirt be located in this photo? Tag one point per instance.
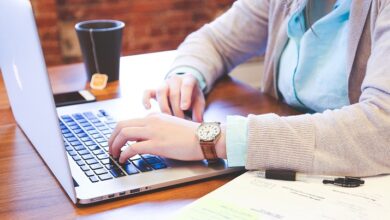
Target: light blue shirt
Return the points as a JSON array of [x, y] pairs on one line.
[[189, 70], [312, 74], [312, 71]]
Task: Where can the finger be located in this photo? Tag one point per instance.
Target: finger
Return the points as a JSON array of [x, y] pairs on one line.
[[198, 108], [148, 94], [125, 135], [162, 98], [187, 87], [141, 147], [174, 97], [123, 124]]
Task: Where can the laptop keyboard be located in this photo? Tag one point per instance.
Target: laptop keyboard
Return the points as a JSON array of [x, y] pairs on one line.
[[86, 141]]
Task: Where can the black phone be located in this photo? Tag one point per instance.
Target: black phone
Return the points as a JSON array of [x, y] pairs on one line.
[[72, 98]]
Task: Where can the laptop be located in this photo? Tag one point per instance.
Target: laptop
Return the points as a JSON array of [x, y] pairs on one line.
[[72, 140]]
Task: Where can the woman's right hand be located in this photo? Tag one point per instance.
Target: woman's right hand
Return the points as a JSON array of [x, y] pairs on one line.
[[177, 94]]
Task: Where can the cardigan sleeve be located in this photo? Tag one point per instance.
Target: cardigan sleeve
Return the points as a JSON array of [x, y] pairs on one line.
[[353, 140], [218, 47]]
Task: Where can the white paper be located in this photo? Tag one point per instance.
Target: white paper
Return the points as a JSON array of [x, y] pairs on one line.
[[251, 197]]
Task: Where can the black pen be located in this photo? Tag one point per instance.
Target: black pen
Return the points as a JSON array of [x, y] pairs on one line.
[[290, 175]]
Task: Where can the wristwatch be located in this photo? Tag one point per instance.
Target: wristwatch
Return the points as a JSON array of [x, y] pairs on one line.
[[208, 134]]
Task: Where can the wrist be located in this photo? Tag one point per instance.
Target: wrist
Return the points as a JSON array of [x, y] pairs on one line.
[[211, 137], [220, 145]]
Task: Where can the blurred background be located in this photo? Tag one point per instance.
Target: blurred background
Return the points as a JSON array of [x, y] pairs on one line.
[[151, 25]]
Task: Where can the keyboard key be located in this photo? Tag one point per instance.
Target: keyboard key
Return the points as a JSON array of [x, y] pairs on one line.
[[89, 128], [81, 121], [89, 173], [153, 160], [76, 157], [74, 127], [84, 139], [98, 124], [105, 161], [158, 166], [103, 112], [93, 147], [87, 156], [78, 131], [95, 136], [84, 168], [66, 117], [112, 125], [95, 120], [130, 169], [110, 119], [71, 138], [68, 148], [100, 140], [68, 135], [110, 166], [80, 163], [91, 161], [78, 116], [74, 143], [106, 132], [142, 165], [97, 152], [96, 166], [89, 143], [65, 131], [93, 179], [135, 157], [100, 171], [72, 153], [85, 124], [71, 123], [102, 156], [117, 172], [102, 128], [92, 132], [79, 147], [88, 115], [104, 144], [81, 135], [82, 152], [105, 177]]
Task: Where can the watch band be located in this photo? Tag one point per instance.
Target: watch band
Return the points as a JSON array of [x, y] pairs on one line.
[[208, 149]]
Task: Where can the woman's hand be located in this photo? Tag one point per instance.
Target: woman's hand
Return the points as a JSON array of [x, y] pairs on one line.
[[157, 134], [177, 94]]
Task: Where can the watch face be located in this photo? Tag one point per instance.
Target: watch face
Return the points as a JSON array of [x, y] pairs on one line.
[[208, 131]]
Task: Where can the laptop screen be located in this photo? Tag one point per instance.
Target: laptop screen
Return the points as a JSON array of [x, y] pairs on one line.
[[28, 87]]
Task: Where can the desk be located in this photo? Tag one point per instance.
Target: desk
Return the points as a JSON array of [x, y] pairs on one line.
[[29, 191]]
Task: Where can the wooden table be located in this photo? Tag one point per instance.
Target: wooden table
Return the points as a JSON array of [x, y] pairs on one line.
[[29, 191]]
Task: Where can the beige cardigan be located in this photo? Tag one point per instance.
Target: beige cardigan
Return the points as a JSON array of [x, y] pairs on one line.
[[353, 140]]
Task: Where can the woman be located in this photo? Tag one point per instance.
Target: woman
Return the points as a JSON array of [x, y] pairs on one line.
[[325, 57]]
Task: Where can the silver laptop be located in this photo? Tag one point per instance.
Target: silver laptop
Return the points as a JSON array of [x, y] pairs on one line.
[[72, 140]]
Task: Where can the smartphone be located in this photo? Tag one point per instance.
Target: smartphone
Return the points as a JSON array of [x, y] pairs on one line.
[[72, 98]]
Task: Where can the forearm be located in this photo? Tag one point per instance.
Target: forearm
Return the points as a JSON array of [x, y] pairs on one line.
[[218, 47], [349, 141]]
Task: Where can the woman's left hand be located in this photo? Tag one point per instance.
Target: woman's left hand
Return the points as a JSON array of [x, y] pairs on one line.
[[157, 134]]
